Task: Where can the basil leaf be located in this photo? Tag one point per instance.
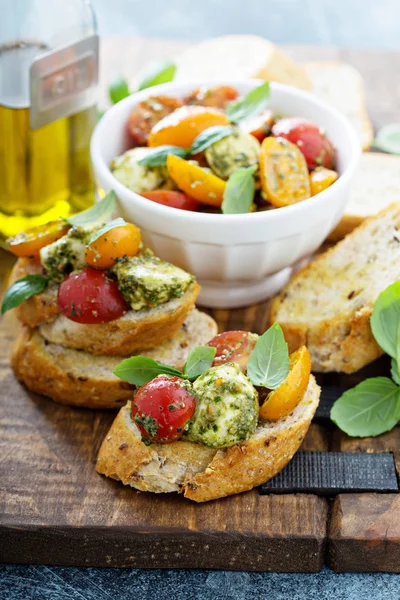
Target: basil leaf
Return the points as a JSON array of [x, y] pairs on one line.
[[118, 89], [369, 409], [158, 156], [388, 139], [253, 103], [138, 370], [111, 225], [209, 136], [199, 360], [158, 72], [239, 191], [268, 364], [385, 320], [101, 211], [22, 290], [394, 371]]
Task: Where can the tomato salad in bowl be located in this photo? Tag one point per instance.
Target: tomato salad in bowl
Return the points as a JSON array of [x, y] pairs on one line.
[[229, 163], [215, 150]]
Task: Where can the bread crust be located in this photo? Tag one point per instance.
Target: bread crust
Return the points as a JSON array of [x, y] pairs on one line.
[[134, 331], [77, 378], [199, 472], [41, 307], [341, 343]]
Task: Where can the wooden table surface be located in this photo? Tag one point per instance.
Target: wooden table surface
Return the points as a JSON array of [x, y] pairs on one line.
[[65, 440]]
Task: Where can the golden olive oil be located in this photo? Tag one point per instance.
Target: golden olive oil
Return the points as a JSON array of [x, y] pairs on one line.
[[45, 173]]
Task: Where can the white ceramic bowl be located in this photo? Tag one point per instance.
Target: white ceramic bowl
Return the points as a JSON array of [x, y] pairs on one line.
[[238, 259]]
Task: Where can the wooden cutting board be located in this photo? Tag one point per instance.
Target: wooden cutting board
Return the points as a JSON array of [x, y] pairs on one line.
[[55, 509]]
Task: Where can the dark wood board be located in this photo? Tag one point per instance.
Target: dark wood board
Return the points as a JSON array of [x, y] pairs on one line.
[[55, 509]]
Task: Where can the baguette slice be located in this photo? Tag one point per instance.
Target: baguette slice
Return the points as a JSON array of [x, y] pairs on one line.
[[78, 378], [239, 57], [342, 86], [199, 472], [327, 305], [376, 185]]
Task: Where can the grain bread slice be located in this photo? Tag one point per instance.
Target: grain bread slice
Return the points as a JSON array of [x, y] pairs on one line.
[[199, 472], [375, 186], [239, 57], [327, 305], [78, 378], [342, 86]]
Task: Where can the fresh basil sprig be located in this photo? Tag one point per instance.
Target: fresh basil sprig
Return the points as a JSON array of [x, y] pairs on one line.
[[22, 290], [369, 409], [156, 73], [101, 211], [253, 103], [139, 370], [239, 191], [388, 139], [268, 364], [373, 406], [118, 89], [158, 156], [107, 227], [209, 136]]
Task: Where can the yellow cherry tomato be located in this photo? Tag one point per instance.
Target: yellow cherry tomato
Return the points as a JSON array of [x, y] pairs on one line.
[[285, 398], [283, 172], [120, 241], [182, 127], [195, 181], [28, 243], [321, 178]]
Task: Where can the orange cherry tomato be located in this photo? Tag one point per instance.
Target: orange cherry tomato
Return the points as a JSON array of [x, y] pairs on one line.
[[173, 199], [195, 181], [29, 243], [285, 398], [217, 97], [146, 114], [115, 243], [321, 178], [259, 126], [183, 126]]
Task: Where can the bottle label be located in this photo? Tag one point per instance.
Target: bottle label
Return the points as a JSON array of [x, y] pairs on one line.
[[64, 81]]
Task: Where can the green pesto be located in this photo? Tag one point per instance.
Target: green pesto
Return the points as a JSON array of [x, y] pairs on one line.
[[227, 407], [146, 281], [235, 151]]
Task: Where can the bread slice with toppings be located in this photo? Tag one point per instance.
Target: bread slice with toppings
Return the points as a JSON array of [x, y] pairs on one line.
[[327, 306], [78, 378], [201, 473]]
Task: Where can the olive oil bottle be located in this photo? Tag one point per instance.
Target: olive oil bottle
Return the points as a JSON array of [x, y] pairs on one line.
[[47, 114]]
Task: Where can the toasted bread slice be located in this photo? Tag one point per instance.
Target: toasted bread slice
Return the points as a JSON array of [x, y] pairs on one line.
[[239, 57], [199, 472], [327, 306], [376, 185], [342, 86], [78, 378], [136, 330]]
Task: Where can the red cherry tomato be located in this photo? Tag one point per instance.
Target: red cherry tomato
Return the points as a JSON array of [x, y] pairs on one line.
[[217, 97], [258, 126], [147, 114], [311, 139], [162, 407], [90, 296], [173, 199], [233, 346]]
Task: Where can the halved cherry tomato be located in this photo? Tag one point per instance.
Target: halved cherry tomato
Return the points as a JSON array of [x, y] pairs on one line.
[[283, 172], [217, 97], [173, 199], [321, 178], [233, 346], [259, 126], [162, 407], [91, 296], [30, 242], [115, 243], [183, 126], [147, 114], [195, 181], [285, 398], [318, 150]]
